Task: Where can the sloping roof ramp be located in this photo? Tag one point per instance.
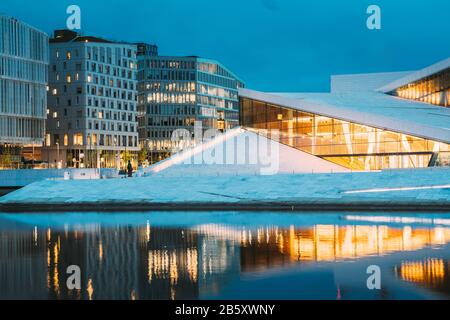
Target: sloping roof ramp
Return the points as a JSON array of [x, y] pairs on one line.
[[428, 71], [367, 108], [364, 81]]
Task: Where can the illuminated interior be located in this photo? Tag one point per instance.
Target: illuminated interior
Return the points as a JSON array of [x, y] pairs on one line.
[[434, 89], [351, 145]]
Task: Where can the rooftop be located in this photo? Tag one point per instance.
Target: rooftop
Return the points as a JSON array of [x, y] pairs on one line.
[[66, 36]]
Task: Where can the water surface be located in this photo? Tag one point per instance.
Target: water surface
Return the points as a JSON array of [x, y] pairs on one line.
[[224, 255]]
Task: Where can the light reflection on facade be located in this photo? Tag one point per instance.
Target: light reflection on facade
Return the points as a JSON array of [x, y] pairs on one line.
[[156, 263], [348, 144], [434, 89]]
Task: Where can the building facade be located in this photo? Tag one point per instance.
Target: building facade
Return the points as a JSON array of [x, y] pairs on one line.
[[429, 85], [92, 112], [178, 92], [24, 59], [363, 128]]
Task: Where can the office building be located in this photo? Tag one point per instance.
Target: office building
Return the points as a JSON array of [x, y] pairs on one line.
[[177, 92], [23, 98], [92, 113]]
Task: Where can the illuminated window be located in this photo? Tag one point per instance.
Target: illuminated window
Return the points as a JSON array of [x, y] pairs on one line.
[[78, 139], [47, 140]]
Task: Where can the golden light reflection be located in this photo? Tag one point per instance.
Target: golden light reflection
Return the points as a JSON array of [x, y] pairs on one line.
[[90, 289], [430, 272], [330, 242], [100, 250], [179, 258]]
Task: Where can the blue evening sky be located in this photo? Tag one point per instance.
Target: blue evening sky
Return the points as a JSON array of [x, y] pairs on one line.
[[273, 45]]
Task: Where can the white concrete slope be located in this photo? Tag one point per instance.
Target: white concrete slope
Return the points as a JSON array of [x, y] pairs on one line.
[[417, 186], [240, 152]]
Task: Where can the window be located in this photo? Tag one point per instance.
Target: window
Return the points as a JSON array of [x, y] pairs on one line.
[[78, 139]]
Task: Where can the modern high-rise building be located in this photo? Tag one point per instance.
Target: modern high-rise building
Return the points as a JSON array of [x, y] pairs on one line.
[[24, 59], [92, 113], [177, 92]]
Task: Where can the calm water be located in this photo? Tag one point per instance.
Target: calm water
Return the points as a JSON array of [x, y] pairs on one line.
[[224, 255]]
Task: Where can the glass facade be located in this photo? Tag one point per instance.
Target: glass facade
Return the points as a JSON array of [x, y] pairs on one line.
[[23, 98], [351, 145], [434, 89], [177, 92]]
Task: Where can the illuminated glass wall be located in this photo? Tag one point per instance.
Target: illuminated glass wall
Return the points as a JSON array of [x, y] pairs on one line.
[[434, 89], [178, 92], [348, 144]]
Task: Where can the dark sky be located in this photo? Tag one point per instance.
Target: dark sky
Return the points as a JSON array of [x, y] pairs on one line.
[[273, 45]]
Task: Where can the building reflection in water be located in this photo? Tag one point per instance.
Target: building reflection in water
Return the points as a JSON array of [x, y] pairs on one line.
[[127, 262], [432, 274]]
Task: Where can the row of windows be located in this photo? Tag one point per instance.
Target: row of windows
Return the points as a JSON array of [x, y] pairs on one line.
[[171, 98], [104, 126], [113, 104], [218, 81], [111, 82], [155, 109], [111, 126], [169, 86], [434, 89], [161, 74], [95, 139], [18, 39], [217, 102], [99, 54], [113, 71], [22, 98], [166, 144], [166, 64], [170, 121], [107, 92], [23, 69], [93, 113], [21, 128], [217, 91], [106, 70]]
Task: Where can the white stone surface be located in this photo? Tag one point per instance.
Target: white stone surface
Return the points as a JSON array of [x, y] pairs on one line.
[[268, 157], [310, 188], [20, 178], [364, 81]]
